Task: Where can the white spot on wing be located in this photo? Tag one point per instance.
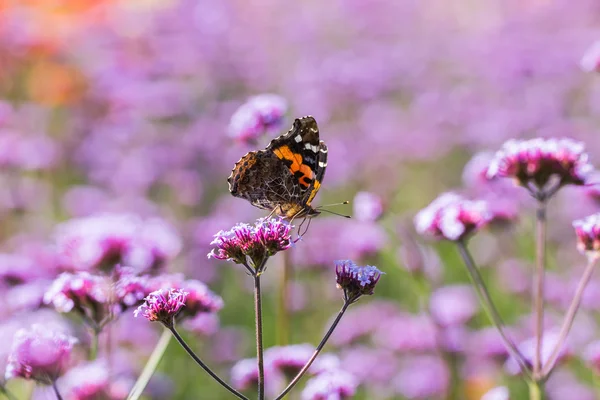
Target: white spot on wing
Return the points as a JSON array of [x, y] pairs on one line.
[[322, 164], [298, 138], [323, 150]]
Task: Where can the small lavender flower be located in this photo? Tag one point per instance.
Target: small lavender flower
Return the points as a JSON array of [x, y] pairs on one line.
[[453, 305], [260, 114], [591, 354], [39, 354], [536, 161], [527, 348], [290, 359], [257, 243], [356, 281], [452, 217], [333, 384], [588, 235], [590, 62], [162, 306], [199, 299]]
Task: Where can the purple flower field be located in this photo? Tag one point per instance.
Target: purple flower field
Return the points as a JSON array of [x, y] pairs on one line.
[[464, 135]]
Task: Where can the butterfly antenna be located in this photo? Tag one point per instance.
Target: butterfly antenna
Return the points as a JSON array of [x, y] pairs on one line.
[[321, 208], [307, 226]]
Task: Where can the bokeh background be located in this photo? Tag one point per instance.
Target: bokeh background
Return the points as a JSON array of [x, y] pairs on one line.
[[125, 105]]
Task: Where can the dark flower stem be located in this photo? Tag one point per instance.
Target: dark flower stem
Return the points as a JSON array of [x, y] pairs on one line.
[[570, 316], [317, 350], [55, 388], [203, 366], [538, 292], [489, 307], [259, 338]]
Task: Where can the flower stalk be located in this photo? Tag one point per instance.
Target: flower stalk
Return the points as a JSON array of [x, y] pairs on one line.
[[538, 292], [259, 338]]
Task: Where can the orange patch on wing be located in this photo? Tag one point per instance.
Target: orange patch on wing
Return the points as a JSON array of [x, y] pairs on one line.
[[284, 153], [314, 192]]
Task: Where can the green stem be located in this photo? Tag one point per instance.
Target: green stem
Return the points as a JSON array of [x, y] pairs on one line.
[[259, 338], [489, 307], [7, 393], [317, 351], [536, 390], [204, 366], [94, 344], [538, 292], [150, 366], [283, 315]]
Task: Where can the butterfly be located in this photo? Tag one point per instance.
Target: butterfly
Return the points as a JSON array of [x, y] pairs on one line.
[[285, 177]]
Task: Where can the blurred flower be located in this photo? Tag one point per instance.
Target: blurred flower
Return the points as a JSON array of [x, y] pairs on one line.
[[199, 299], [497, 393], [591, 354], [89, 381], [161, 306], [82, 292], [244, 375], [39, 354], [333, 384], [16, 269], [453, 305], [588, 235], [266, 238], [527, 349], [452, 217], [289, 359], [423, 377], [537, 161], [361, 320], [356, 281], [105, 240], [129, 288], [367, 206], [260, 114], [590, 62], [408, 333]]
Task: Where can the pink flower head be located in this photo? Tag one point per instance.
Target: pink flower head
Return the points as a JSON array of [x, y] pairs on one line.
[[260, 114], [39, 354], [290, 359], [332, 384], [423, 377], [82, 292], [453, 305], [367, 206], [257, 243], [129, 289], [356, 281], [105, 240], [244, 375], [497, 393], [590, 62], [452, 217], [591, 354], [537, 161], [88, 381], [199, 299], [162, 306], [588, 234]]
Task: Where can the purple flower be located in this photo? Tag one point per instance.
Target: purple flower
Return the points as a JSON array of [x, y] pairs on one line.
[[452, 217], [39, 354], [591, 354], [244, 375], [367, 206], [588, 235], [260, 114], [105, 240], [423, 377], [356, 281], [162, 306], [527, 348], [453, 305], [82, 292], [408, 333], [536, 161], [497, 393], [129, 289], [257, 243], [330, 385], [590, 62], [87, 381]]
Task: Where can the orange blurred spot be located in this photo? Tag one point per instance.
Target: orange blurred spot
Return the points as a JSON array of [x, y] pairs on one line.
[[53, 84], [477, 386]]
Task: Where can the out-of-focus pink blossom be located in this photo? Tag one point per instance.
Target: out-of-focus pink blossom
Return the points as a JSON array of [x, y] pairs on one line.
[[590, 62], [367, 206], [105, 240], [88, 381], [588, 235], [258, 115], [452, 217], [453, 305], [333, 384], [39, 354], [423, 377], [407, 333], [527, 349]]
